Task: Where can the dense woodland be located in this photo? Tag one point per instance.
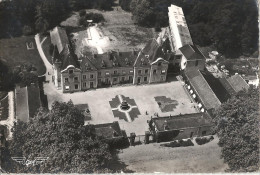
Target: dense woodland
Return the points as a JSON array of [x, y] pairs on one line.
[[237, 126], [60, 135], [26, 17], [229, 25]]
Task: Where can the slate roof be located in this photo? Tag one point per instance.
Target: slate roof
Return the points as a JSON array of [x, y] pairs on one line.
[[27, 101], [149, 54], [227, 86], [68, 58], [59, 38], [193, 120], [107, 130], [203, 90], [110, 60], [218, 88], [191, 52], [237, 83]]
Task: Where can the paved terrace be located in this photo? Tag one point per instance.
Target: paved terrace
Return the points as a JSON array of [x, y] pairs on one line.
[[101, 112]]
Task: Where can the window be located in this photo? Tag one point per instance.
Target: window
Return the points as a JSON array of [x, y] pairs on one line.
[[91, 76], [204, 133], [84, 84], [114, 79], [154, 71], [76, 78], [123, 79], [115, 71], [70, 71], [106, 80], [162, 78], [91, 84], [84, 77], [107, 73], [130, 78], [67, 88], [124, 72], [99, 81], [146, 71], [76, 86], [131, 71], [145, 79], [139, 71], [66, 80], [163, 71], [160, 63], [99, 73], [196, 63]]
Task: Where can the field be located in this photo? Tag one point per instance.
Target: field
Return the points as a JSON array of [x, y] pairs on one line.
[[155, 158], [101, 111], [118, 27], [17, 51]]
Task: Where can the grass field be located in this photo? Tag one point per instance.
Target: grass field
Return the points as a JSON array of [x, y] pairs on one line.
[[155, 158], [119, 27], [14, 52]]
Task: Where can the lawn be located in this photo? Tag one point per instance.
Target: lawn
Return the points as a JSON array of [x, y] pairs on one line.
[[155, 158], [17, 51], [119, 27]]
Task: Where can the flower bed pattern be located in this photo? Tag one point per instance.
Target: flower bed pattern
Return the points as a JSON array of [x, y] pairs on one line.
[[166, 104]]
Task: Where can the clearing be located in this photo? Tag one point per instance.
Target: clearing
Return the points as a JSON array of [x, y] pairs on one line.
[[17, 51], [155, 158], [118, 30]]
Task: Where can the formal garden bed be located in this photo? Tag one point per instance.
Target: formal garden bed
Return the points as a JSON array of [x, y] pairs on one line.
[[166, 104], [119, 114]]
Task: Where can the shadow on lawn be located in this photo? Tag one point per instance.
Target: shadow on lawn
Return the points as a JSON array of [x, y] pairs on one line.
[[116, 165]]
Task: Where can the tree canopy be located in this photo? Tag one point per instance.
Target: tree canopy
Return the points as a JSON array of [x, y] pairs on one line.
[[237, 125], [60, 135], [231, 26]]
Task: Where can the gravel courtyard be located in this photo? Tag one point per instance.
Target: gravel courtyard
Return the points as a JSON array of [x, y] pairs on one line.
[[98, 101]]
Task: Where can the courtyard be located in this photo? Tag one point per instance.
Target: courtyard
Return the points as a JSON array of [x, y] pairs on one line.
[[144, 96]]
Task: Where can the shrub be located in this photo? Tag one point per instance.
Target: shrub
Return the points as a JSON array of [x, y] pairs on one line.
[[27, 30], [203, 140], [180, 143], [82, 13], [96, 17]]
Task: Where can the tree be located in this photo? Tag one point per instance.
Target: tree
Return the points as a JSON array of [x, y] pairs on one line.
[[237, 126], [60, 134], [142, 12]]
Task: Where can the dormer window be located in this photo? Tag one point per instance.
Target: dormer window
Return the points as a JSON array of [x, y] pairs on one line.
[[70, 71], [126, 61], [103, 63], [160, 63]]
